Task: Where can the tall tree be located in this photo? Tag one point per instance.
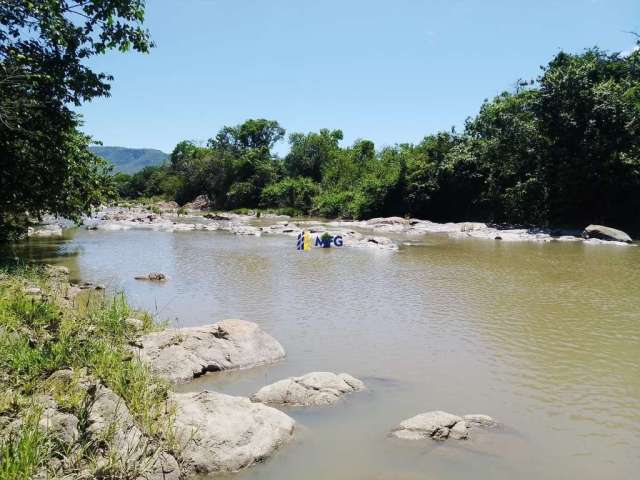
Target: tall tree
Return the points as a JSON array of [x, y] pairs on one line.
[[44, 46]]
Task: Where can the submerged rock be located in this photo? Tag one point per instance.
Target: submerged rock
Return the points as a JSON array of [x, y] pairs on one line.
[[606, 233], [153, 276], [222, 433], [439, 425], [480, 420], [312, 389], [179, 355]]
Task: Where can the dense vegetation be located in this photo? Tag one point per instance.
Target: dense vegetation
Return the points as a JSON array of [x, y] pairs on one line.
[[129, 160], [563, 150], [45, 164]]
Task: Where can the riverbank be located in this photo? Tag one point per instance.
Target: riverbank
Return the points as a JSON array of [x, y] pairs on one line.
[[74, 402], [84, 398], [384, 233]]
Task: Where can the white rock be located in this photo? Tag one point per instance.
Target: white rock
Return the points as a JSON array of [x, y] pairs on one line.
[[312, 389], [434, 424], [179, 355], [226, 434], [45, 231], [459, 431], [440, 425], [480, 420]]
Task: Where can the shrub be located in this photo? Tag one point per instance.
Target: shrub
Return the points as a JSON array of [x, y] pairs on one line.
[[291, 193]]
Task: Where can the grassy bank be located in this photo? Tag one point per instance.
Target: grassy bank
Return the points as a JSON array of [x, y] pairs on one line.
[[43, 332]]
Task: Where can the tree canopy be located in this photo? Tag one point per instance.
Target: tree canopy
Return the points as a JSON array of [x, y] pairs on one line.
[[44, 46]]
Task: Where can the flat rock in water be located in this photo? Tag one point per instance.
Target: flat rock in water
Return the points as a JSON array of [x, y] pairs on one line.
[[179, 355], [312, 389], [606, 233], [226, 434], [439, 425], [153, 276]]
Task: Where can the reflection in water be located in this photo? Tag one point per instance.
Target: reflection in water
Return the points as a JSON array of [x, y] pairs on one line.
[[544, 337]]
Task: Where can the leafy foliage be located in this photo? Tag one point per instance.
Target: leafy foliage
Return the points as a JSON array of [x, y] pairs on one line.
[[44, 46]]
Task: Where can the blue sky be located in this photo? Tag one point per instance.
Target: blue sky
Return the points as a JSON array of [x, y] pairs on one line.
[[387, 70]]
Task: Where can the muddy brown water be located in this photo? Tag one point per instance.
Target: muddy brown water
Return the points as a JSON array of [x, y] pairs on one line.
[[543, 337]]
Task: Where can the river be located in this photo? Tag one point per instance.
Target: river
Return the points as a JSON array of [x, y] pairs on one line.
[[544, 337]]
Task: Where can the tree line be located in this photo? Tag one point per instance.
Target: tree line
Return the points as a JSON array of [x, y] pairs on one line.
[[562, 150]]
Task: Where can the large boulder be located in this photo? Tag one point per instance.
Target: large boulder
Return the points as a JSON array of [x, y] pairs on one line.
[[201, 202], [179, 355], [606, 233], [439, 425], [312, 389], [222, 433]]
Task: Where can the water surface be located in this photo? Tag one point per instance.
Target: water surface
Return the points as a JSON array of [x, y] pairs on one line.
[[543, 337]]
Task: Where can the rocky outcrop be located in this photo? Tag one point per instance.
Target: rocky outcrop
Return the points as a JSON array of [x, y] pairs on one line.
[[201, 202], [50, 230], [226, 434], [179, 355], [439, 425], [312, 389], [601, 232], [110, 423], [118, 444]]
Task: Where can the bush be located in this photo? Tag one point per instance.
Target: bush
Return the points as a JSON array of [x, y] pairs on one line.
[[291, 193]]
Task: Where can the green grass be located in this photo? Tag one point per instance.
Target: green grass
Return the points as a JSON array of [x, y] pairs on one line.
[[24, 450], [42, 334]]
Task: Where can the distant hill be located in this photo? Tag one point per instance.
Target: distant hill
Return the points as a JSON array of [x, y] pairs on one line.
[[130, 160]]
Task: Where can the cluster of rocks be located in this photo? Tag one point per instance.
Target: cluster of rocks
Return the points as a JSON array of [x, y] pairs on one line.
[[373, 233], [118, 442], [398, 225], [225, 433], [138, 218]]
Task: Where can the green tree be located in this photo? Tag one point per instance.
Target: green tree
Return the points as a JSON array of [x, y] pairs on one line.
[[311, 152], [44, 47], [293, 193]]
